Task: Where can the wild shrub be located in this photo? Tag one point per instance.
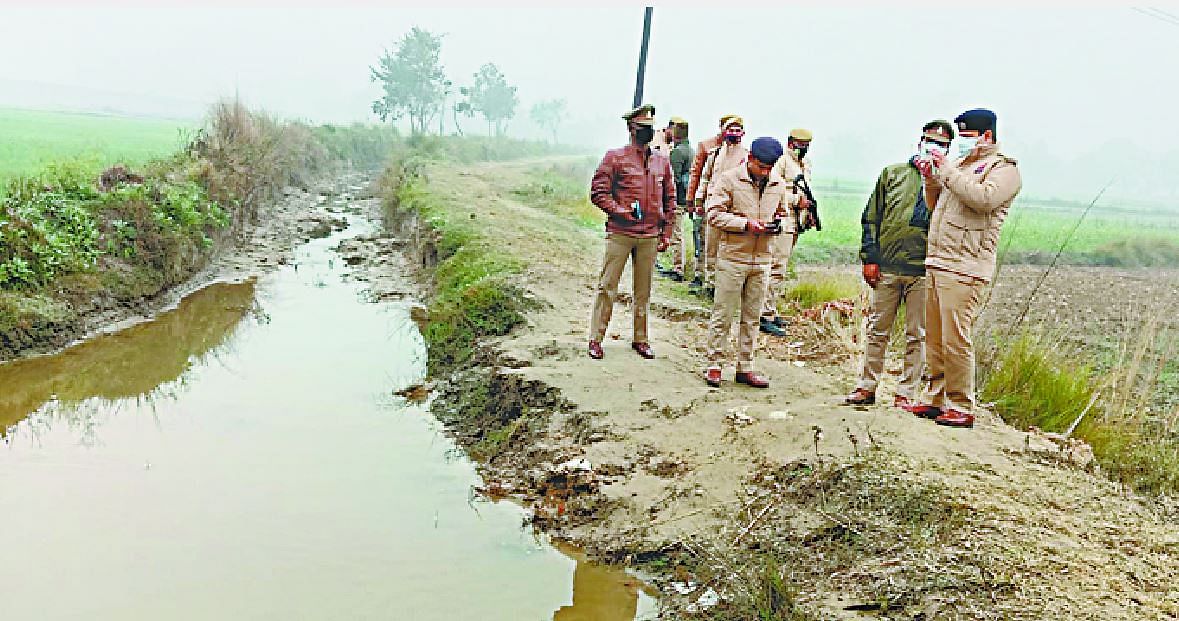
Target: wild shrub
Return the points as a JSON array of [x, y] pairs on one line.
[[814, 292]]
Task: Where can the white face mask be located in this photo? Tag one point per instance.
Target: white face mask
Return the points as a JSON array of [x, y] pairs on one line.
[[966, 145], [929, 148]]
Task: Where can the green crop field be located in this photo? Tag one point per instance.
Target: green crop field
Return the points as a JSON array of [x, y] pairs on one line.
[[1111, 234], [31, 139]]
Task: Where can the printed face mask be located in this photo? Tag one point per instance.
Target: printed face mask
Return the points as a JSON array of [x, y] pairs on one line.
[[645, 134], [733, 136], [966, 145]]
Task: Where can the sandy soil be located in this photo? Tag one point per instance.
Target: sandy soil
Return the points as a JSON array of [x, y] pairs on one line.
[[671, 461]]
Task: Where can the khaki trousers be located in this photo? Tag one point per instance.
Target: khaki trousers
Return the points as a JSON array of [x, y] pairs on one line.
[[641, 251], [678, 249], [712, 237], [888, 295], [951, 302], [737, 284], [782, 247]]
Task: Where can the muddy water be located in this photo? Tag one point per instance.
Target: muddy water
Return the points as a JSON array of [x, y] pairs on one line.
[[241, 458]]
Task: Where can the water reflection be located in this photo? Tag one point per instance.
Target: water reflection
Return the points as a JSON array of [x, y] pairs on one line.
[[600, 592], [131, 364]]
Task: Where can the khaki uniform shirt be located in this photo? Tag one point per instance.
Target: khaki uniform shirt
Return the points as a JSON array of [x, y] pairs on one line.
[[971, 198], [735, 200]]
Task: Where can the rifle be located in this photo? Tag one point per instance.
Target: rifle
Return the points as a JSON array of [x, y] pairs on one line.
[[804, 224]]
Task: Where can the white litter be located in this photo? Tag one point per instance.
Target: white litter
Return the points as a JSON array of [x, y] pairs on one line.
[[781, 415]]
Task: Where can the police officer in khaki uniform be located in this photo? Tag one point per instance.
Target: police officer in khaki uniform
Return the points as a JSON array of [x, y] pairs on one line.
[[699, 227], [729, 155], [748, 207], [634, 187], [789, 167], [972, 195]]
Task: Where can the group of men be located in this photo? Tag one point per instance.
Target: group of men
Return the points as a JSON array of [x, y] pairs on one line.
[[930, 230]]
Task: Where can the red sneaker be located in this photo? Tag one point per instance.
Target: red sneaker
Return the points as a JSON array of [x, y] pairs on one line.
[[595, 350], [924, 410], [955, 418], [712, 375], [751, 378], [903, 402], [644, 350]]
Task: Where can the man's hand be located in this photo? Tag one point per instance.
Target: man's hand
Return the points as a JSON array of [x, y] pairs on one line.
[[755, 226], [938, 158], [872, 274], [924, 166], [664, 244], [803, 203], [626, 214]]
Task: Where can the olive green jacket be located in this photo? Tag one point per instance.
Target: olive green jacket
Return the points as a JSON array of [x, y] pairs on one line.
[[681, 169], [896, 222]]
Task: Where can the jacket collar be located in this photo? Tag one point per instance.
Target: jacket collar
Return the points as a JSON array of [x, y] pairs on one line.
[[982, 152], [644, 150], [743, 175]]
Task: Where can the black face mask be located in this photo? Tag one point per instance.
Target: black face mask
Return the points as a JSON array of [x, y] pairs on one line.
[[801, 151], [644, 134]]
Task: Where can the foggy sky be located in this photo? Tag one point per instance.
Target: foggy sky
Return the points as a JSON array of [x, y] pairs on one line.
[[1083, 94]]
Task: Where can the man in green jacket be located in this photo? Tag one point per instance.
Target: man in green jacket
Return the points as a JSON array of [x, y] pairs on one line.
[[896, 226], [681, 167]]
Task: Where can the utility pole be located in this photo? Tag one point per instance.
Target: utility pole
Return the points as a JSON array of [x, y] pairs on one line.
[[643, 57]]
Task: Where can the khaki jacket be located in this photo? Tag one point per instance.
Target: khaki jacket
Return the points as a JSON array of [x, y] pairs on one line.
[[721, 159], [971, 199], [789, 168], [733, 201]]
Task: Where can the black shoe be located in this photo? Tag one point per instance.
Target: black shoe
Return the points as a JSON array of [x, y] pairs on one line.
[[781, 323], [768, 327], [676, 276], [697, 282], [709, 292]]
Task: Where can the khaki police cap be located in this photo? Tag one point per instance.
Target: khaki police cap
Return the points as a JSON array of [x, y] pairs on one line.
[[733, 119], [799, 133], [724, 120], [677, 120], [642, 115], [941, 133]]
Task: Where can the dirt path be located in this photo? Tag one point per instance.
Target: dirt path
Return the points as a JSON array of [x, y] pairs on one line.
[[673, 461]]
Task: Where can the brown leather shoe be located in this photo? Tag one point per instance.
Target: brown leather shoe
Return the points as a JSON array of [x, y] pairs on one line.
[[712, 375], [955, 418], [595, 350], [860, 396], [754, 379], [923, 410], [644, 350]]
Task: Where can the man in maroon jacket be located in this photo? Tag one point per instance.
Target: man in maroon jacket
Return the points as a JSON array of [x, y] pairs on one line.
[[634, 186]]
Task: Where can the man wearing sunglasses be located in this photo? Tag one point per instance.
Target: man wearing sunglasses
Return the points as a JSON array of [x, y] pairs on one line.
[[892, 250]]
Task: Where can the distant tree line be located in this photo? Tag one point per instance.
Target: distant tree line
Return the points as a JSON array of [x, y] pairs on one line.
[[414, 85]]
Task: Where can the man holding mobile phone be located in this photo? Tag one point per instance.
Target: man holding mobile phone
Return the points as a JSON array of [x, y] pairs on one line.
[[892, 250], [634, 187], [970, 195]]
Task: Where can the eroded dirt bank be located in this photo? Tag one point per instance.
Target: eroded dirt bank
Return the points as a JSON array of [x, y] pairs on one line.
[[778, 503]]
